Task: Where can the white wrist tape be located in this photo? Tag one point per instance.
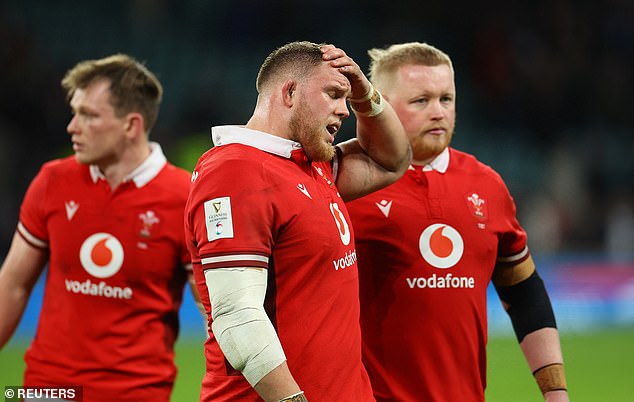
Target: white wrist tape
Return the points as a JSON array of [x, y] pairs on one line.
[[365, 97], [297, 397], [369, 105], [240, 324]]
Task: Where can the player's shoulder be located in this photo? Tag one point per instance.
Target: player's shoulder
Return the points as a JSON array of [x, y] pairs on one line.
[[62, 167], [235, 151], [67, 162], [176, 174], [466, 160], [171, 180], [232, 168], [235, 160], [472, 166]]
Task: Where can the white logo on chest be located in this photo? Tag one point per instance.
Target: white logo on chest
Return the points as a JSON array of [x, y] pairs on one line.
[[384, 206], [101, 255], [71, 208], [441, 245], [303, 189], [342, 225]]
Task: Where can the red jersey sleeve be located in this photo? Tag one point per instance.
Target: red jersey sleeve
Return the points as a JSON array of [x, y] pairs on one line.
[[32, 225], [512, 246], [232, 217]]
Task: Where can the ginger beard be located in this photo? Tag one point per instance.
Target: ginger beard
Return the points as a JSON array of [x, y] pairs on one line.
[[426, 146], [312, 135]]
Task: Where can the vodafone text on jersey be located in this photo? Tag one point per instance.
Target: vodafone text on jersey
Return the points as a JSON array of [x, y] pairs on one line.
[[441, 246], [101, 255]]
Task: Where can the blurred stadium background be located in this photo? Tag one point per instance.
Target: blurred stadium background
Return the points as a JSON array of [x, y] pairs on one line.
[[545, 96]]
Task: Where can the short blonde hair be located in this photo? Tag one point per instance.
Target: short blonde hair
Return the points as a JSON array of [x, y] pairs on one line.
[[385, 62]]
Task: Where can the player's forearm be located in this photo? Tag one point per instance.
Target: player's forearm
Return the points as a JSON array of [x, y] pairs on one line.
[[20, 270], [245, 333], [383, 138], [556, 396], [541, 348], [542, 351], [277, 384], [12, 304], [196, 296]]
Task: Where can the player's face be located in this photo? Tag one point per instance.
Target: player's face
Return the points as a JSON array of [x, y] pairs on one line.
[[97, 134], [319, 110], [424, 99]]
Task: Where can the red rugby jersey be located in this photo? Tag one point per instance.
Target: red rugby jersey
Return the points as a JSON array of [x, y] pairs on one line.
[[115, 278], [426, 249], [257, 201]]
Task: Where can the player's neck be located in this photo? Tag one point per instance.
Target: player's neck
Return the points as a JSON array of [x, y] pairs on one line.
[[426, 158], [125, 164], [268, 120]]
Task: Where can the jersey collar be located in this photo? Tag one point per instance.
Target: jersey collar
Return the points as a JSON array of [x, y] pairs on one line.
[[223, 135], [145, 172], [439, 163]]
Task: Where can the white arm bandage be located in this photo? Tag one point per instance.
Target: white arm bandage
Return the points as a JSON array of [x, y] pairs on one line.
[[240, 324]]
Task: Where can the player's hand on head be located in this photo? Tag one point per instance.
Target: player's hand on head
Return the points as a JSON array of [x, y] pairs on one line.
[[359, 84]]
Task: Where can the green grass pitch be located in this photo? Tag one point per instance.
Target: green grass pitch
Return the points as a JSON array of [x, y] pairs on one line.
[[599, 368]]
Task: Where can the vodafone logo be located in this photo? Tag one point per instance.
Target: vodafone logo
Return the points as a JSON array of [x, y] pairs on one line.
[[340, 220], [101, 255], [441, 245]]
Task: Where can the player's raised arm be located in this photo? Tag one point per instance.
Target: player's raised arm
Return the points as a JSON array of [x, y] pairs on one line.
[[380, 153]]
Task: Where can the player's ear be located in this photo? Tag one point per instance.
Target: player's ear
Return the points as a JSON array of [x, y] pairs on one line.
[[289, 89], [134, 124]]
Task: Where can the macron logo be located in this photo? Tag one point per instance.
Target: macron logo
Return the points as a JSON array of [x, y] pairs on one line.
[[384, 206], [71, 208], [302, 188]]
